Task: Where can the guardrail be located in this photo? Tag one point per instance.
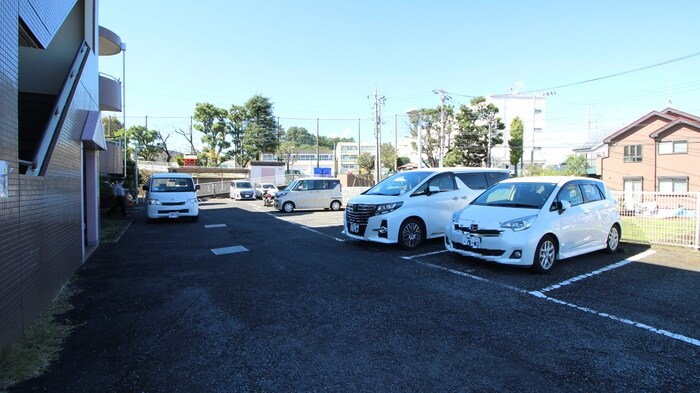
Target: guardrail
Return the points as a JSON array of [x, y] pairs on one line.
[[660, 218]]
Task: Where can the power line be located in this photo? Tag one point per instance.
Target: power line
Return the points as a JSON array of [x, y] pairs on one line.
[[618, 73]]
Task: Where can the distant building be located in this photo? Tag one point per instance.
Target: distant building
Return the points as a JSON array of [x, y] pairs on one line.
[[657, 152], [531, 110]]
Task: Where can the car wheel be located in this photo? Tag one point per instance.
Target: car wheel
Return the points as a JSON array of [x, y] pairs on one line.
[[335, 206], [613, 242], [545, 255], [411, 234], [288, 207]]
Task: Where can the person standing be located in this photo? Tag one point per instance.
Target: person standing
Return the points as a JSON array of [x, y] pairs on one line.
[[120, 195]]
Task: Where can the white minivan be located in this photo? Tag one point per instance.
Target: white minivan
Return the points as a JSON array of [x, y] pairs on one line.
[[171, 195], [409, 207], [310, 193]]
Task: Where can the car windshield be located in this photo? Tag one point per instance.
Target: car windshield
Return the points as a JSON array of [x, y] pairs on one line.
[[523, 195], [267, 186], [398, 184], [244, 184], [172, 184]]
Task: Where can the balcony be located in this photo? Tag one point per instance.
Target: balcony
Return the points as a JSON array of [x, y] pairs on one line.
[[110, 93], [110, 42]]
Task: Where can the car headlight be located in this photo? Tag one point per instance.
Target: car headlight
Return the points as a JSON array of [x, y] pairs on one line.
[[153, 201], [282, 193], [519, 224], [192, 201], [387, 208]]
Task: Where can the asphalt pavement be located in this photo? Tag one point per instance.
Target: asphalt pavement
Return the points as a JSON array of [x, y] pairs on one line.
[[249, 300]]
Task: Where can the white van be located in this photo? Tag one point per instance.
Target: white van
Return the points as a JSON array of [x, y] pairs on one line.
[[171, 195], [310, 193], [412, 206], [242, 189]]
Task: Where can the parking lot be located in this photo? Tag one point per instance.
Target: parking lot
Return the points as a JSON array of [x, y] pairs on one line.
[[251, 299]]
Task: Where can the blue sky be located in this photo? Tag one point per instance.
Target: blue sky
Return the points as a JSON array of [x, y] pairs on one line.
[[323, 59]]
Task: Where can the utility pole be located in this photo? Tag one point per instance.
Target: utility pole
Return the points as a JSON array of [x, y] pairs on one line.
[[442, 138], [378, 102]]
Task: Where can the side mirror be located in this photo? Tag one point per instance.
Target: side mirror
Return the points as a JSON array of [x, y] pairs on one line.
[[144, 187], [196, 187], [563, 205], [433, 190]]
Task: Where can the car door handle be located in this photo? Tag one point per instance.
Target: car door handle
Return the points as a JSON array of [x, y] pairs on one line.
[[455, 198]]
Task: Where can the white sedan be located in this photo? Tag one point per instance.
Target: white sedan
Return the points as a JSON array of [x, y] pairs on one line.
[[535, 221], [261, 189]]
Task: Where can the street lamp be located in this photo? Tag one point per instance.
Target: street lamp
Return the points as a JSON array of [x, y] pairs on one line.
[[414, 112]]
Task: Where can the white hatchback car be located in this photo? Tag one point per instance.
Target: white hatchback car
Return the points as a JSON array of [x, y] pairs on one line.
[[533, 221]]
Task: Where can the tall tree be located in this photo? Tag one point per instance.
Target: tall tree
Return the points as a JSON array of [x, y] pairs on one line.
[[211, 122], [147, 142], [477, 127], [237, 119], [431, 132], [285, 152], [261, 127], [300, 136], [388, 156], [516, 142], [111, 125], [366, 162], [576, 165]]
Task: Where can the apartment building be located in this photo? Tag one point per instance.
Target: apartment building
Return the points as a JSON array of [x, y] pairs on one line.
[[50, 142]]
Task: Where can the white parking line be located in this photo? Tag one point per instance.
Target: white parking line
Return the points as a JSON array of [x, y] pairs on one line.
[[541, 295], [322, 234], [662, 332], [631, 259], [423, 255]]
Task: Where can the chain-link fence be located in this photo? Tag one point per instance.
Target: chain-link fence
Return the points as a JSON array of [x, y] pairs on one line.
[[660, 218]]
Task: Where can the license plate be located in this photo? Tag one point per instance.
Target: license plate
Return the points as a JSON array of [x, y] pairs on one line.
[[354, 227], [173, 215], [472, 241]]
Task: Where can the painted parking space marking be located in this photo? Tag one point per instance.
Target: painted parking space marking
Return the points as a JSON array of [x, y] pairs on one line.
[[215, 226], [321, 233], [624, 262], [662, 332], [541, 295], [409, 257], [228, 250]]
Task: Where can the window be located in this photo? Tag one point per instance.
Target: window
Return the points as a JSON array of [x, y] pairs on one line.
[[673, 147], [495, 177], [571, 193], [633, 153], [673, 184], [475, 181], [444, 181], [591, 192]]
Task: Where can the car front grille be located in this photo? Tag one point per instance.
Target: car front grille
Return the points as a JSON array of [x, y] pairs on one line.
[[359, 213]]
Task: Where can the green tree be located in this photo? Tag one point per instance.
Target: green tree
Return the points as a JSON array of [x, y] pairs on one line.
[[211, 122], [299, 136], [148, 142], [366, 162], [285, 152], [388, 156], [477, 126], [111, 126], [261, 127], [430, 132], [237, 119], [516, 142], [575, 165]]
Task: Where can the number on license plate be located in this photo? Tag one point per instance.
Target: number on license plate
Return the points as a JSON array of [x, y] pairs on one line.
[[354, 227], [172, 215], [470, 240]]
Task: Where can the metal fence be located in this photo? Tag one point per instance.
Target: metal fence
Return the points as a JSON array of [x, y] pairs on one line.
[[660, 218]]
